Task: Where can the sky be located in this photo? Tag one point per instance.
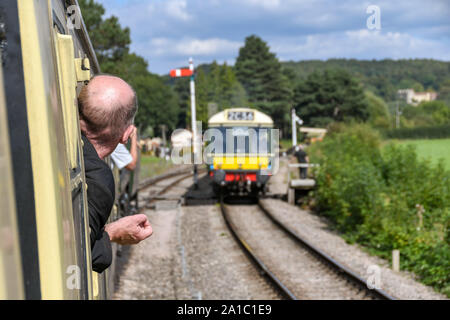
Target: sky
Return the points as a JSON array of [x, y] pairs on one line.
[[167, 32]]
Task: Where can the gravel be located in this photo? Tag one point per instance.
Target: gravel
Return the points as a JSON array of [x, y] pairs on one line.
[[216, 268], [190, 255], [303, 274], [148, 269], [402, 285]]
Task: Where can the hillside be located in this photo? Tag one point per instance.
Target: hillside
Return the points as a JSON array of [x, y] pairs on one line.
[[383, 77]]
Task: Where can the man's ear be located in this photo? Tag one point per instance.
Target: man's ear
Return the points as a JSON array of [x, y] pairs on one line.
[[126, 134]]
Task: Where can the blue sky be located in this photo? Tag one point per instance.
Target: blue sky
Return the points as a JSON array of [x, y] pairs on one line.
[[167, 32]]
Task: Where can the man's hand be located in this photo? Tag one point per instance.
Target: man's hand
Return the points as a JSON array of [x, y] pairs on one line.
[[133, 135], [129, 230], [133, 150]]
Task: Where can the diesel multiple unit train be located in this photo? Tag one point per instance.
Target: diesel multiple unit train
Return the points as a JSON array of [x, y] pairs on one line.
[[241, 158], [45, 59]]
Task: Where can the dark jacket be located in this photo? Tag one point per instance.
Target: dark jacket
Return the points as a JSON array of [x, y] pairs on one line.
[[301, 156], [100, 196]]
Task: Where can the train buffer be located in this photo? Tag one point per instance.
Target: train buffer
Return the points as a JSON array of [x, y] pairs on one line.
[[298, 184]]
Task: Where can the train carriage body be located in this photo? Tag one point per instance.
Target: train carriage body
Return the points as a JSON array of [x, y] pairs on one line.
[[45, 58], [241, 152]]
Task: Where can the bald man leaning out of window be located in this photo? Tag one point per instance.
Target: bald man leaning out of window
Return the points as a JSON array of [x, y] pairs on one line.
[[107, 107]]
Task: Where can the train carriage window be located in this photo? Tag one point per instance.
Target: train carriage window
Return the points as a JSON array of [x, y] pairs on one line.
[[246, 140]]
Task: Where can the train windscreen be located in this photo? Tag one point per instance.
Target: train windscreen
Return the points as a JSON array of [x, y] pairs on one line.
[[241, 140]]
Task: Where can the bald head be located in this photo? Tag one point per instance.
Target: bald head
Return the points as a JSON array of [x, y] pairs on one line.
[[107, 107]]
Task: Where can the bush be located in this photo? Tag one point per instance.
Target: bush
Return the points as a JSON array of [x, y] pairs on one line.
[[386, 201]]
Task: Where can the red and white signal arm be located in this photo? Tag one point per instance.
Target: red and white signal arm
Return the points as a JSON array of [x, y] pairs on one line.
[[181, 73]]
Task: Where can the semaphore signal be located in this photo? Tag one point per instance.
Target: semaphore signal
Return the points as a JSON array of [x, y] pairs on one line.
[[175, 73], [181, 73]]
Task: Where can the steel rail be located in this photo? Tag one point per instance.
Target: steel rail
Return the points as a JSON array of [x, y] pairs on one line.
[[325, 258], [249, 252], [153, 180]]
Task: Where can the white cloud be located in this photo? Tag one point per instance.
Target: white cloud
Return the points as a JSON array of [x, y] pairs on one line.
[[266, 4], [194, 47], [362, 44], [177, 9]]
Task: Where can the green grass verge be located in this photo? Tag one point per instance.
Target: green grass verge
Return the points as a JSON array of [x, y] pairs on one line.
[[431, 149]]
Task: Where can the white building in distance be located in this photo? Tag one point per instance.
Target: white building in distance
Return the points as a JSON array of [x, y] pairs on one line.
[[414, 98]]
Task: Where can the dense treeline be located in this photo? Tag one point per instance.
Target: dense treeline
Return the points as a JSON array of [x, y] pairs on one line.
[[330, 96], [427, 114], [385, 77]]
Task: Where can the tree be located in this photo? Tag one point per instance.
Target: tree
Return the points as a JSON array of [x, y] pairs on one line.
[[444, 91], [158, 103], [379, 115], [426, 114], [111, 42], [224, 88], [260, 73], [332, 95]]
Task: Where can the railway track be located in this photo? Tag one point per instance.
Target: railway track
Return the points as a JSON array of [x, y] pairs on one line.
[[153, 182], [299, 261]]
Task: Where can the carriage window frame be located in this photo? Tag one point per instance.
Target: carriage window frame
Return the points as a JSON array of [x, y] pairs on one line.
[[67, 86]]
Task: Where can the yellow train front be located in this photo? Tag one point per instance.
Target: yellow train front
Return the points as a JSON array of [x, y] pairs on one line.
[[240, 152]]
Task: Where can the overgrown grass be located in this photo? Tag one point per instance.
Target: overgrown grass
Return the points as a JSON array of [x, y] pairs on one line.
[[385, 200], [152, 166]]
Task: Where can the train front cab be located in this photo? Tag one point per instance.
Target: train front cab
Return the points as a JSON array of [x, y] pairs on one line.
[[243, 166]]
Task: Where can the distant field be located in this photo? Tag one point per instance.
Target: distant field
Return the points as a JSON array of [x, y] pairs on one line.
[[433, 149]]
